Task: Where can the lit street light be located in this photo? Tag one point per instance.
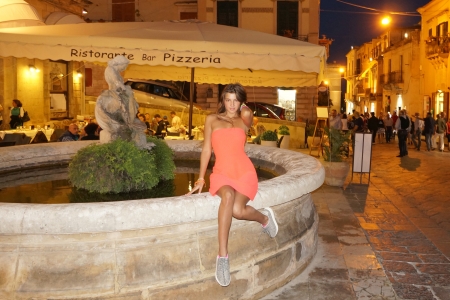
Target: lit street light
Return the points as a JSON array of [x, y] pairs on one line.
[[386, 20]]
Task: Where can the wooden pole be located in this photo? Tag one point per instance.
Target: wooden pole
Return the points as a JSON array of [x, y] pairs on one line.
[[191, 102]]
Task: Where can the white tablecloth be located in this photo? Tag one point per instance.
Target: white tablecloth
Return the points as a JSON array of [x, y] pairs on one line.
[[171, 137], [29, 132]]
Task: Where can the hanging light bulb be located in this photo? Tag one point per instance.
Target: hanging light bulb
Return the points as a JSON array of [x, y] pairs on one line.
[[79, 75]]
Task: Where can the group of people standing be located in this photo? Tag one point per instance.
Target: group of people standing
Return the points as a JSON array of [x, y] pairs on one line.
[[409, 129]]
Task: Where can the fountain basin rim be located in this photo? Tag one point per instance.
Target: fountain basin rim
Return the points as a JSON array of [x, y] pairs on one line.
[[303, 174]]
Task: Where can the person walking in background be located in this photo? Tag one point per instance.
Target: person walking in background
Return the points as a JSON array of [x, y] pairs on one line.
[[372, 125], [358, 123], [448, 133], [381, 128], [234, 177], [394, 121], [1, 115], [344, 122], [402, 126], [429, 130], [411, 129], [441, 129], [16, 114], [335, 120], [418, 128], [389, 124]]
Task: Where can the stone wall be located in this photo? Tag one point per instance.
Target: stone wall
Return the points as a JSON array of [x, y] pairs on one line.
[[155, 248]]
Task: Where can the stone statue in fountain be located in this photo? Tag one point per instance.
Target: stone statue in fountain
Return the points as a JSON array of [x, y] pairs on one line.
[[116, 108]]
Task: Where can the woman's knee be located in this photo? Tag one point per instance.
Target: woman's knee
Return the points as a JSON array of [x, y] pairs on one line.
[[227, 197], [238, 212]]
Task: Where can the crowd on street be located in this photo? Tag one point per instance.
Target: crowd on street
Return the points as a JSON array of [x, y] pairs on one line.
[[408, 129]]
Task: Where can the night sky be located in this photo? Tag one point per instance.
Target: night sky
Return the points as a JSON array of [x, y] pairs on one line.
[[339, 22]]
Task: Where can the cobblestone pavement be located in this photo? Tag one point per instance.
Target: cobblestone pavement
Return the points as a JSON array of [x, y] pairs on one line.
[[389, 239]]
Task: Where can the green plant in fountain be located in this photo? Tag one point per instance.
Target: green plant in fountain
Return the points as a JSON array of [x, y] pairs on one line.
[[339, 141], [283, 130], [120, 166], [269, 135], [165, 165]]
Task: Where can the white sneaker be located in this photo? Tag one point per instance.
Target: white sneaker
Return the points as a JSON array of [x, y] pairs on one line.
[[223, 271], [272, 227]]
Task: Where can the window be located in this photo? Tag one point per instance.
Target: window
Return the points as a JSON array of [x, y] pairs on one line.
[[287, 18], [227, 13], [123, 11], [430, 32], [358, 66]]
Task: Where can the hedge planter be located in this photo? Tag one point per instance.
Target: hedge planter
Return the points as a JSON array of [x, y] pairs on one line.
[[269, 143]]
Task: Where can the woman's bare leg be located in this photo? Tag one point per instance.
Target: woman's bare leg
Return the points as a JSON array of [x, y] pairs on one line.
[[234, 204], [227, 194], [242, 211]]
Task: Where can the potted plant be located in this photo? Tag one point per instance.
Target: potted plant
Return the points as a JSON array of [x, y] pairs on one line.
[[269, 138], [283, 131], [335, 154], [311, 140]]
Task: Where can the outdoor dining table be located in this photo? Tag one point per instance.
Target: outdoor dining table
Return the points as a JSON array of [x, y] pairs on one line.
[[29, 132]]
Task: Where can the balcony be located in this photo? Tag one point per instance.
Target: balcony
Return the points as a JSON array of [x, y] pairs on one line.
[[360, 90], [392, 77], [437, 46]]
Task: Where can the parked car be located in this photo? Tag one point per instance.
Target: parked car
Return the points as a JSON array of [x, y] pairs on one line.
[[264, 110], [280, 111], [157, 93]]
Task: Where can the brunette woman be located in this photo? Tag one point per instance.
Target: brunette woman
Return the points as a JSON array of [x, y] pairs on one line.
[[234, 177]]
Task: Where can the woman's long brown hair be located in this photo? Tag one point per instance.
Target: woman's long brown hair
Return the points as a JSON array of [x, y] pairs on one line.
[[241, 96]]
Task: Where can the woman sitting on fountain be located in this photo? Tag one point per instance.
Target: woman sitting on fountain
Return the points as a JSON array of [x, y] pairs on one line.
[[234, 177]]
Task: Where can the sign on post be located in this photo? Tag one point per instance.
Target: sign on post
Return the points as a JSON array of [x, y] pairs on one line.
[[362, 154]]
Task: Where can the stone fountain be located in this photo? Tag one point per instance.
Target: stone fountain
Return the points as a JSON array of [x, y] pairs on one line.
[[162, 248]]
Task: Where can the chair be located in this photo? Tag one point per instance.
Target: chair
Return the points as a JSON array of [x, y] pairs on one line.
[[173, 133], [56, 134], [39, 138], [26, 140], [17, 138], [7, 144]]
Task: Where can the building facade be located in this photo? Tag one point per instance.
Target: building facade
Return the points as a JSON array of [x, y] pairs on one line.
[[383, 75], [434, 50]]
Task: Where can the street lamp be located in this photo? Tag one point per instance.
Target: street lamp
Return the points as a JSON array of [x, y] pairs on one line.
[[386, 20]]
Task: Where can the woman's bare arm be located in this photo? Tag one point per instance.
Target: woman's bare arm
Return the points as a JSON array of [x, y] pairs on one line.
[[247, 116], [206, 154]]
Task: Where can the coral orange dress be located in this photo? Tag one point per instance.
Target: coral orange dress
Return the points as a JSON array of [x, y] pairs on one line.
[[232, 166]]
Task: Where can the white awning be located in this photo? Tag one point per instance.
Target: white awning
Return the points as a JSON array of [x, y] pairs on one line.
[[174, 45], [18, 13]]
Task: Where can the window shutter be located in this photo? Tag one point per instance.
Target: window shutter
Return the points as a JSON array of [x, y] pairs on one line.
[[123, 11]]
